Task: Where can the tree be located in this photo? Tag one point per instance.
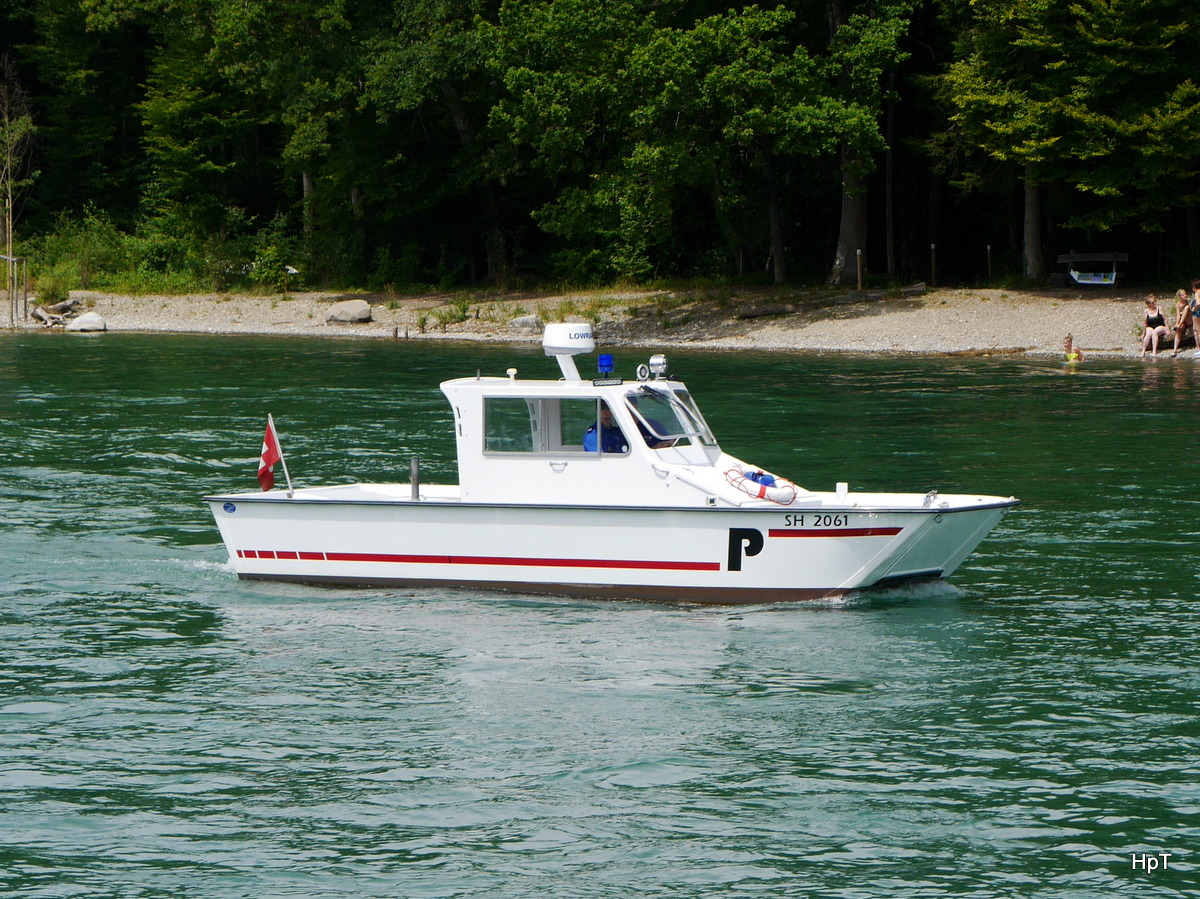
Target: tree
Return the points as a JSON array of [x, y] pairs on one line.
[[732, 93], [1138, 102], [435, 57], [207, 158], [16, 135], [645, 118], [84, 82], [1092, 97], [864, 48], [299, 65], [566, 112], [198, 134]]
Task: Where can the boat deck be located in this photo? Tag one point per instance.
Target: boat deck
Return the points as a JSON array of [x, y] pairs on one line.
[[438, 494]]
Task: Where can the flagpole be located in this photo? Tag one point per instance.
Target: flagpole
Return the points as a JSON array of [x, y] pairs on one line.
[[282, 460]]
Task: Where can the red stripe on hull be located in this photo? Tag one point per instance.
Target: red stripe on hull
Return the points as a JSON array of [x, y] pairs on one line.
[[396, 558], [834, 532]]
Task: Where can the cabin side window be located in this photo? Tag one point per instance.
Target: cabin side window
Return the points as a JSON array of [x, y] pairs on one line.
[[576, 416], [510, 424], [538, 424]]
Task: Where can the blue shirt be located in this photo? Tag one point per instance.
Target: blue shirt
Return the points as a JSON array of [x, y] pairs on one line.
[[611, 440]]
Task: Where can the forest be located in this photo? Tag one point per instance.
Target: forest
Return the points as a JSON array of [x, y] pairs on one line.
[[400, 144]]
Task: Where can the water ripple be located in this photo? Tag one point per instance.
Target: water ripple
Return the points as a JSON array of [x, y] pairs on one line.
[[166, 730]]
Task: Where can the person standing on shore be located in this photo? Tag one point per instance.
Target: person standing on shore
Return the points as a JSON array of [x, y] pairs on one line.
[[1184, 320], [1154, 326]]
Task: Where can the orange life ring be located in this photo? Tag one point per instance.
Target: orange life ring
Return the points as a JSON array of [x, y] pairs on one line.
[[763, 485]]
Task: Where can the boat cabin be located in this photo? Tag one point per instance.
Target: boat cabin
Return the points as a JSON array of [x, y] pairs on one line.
[[600, 441]]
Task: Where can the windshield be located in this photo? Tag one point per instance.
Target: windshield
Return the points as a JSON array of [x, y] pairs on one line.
[[668, 417]]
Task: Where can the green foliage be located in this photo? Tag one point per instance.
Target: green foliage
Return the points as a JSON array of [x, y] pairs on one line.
[[53, 283], [1096, 97], [82, 252], [647, 121], [16, 134], [83, 85], [16, 145], [212, 143], [396, 273], [91, 252], [274, 254], [865, 48], [458, 310]]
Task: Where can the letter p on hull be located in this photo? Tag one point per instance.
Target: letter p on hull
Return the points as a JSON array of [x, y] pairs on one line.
[[751, 539]]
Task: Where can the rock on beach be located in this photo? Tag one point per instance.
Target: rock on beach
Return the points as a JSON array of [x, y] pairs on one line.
[[89, 321], [350, 311]]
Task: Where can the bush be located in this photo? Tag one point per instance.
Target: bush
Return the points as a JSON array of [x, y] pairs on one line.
[[274, 252], [80, 252], [53, 285], [91, 252]]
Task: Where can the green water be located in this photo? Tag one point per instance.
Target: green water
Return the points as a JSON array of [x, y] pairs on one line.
[[1027, 730]]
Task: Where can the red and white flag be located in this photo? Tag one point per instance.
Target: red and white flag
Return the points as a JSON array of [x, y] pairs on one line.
[[271, 454]]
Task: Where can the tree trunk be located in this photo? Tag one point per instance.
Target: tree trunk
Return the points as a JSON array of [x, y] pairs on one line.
[[1035, 261], [728, 229], [852, 234], [9, 265], [776, 222], [852, 231], [306, 189], [493, 234], [890, 187]]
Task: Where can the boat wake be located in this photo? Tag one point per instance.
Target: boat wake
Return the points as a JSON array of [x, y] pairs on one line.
[[917, 591]]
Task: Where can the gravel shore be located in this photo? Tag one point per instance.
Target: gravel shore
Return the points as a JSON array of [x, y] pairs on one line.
[[953, 321]]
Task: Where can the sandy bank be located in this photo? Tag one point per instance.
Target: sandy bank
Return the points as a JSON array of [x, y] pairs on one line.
[[983, 321]]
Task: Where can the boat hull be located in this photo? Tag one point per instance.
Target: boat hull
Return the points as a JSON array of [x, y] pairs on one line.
[[705, 555]]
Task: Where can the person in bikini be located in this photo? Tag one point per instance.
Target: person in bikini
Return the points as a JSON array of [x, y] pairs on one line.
[[1194, 307], [1074, 353], [1184, 320], [1154, 326]]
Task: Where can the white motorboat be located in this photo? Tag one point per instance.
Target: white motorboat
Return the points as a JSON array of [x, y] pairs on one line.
[[553, 499]]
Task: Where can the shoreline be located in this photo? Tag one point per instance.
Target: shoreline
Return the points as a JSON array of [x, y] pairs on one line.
[[956, 321]]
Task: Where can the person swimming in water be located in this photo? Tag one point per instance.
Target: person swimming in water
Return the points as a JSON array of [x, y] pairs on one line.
[[1074, 353]]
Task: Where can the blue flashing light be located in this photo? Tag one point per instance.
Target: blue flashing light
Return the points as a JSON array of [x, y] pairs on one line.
[[604, 363]]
